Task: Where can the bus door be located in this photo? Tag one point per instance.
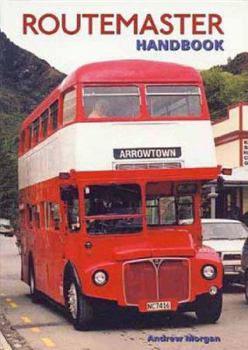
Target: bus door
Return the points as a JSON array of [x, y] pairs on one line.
[[38, 245], [73, 238], [55, 246]]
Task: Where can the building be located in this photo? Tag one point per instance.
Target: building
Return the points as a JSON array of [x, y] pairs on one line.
[[231, 141]]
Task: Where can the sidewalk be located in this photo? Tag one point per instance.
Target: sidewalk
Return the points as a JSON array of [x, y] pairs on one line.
[[4, 345], [15, 340]]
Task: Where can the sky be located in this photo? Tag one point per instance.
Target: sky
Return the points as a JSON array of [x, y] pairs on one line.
[[66, 53]]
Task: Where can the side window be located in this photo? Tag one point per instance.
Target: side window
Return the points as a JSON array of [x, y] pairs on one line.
[[36, 215], [54, 115], [69, 106], [55, 216], [29, 136], [29, 215], [36, 128], [44, 123], [51, 215]]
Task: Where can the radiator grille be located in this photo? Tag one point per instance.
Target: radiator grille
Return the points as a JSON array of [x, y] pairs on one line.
[[156, 279], [140, 282], [174, 280]]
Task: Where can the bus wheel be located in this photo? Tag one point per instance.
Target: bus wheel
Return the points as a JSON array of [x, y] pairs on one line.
[[78, 307], [246, 287], [208, 308], [35, 295]]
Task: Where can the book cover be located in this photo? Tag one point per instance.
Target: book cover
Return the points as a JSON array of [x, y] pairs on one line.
[[122, 125]]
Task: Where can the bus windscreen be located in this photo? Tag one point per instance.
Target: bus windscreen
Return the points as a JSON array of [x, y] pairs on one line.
[[164, 207], [113, 209]]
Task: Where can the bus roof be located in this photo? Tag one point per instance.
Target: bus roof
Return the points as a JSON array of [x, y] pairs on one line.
[[132, 71]]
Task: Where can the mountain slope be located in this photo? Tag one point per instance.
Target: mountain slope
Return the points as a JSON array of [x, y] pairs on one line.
[[24, 78], [24, 81]]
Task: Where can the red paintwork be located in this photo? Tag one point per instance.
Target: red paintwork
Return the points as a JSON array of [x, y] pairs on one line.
[[52, 249]]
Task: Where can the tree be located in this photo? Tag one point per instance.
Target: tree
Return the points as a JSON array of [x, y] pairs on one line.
[[224, 89]]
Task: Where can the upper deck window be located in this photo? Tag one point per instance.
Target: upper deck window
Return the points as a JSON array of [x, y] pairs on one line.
[[54, 115], [69, 106], [44, 123], [36, 127], [111, 101], [173, 100]]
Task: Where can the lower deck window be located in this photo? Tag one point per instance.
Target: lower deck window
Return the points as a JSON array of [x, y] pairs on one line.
[[113, 209]]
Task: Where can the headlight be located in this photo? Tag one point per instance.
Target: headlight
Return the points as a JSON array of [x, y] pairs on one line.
[[209, 272], [100, 278]]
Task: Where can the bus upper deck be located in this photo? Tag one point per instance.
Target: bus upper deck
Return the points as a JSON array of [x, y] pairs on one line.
[[119, 115]]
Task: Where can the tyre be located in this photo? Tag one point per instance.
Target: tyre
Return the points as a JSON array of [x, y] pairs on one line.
[[246, 288], [209, 307], [78, 306], [35, 295]]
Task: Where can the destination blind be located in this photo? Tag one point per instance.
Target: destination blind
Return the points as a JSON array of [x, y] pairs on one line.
[[147, 153]]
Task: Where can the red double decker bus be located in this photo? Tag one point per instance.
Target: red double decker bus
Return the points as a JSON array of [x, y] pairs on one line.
[[111, 166]]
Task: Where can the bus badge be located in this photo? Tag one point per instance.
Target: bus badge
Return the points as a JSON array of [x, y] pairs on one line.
[[157, 262]]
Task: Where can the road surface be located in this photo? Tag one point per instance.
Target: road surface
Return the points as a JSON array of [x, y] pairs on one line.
[[44, 326]]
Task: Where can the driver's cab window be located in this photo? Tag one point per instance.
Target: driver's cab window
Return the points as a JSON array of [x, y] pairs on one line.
[[69, 194]]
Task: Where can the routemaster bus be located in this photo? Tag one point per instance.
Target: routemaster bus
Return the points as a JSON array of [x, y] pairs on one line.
[[111, 166]]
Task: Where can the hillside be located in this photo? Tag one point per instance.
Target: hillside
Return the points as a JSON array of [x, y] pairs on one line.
[[239, 65], [24, 81]]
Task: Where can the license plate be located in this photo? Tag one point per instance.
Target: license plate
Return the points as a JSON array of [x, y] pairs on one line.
[[159, 305]]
